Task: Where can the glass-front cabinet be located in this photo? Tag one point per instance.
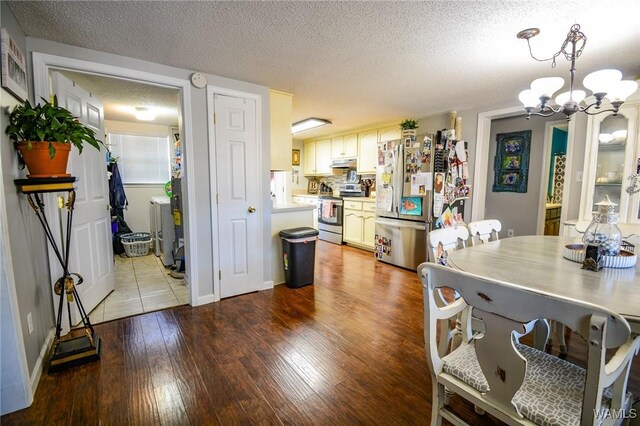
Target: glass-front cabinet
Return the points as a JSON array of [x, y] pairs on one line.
[[612, 164]]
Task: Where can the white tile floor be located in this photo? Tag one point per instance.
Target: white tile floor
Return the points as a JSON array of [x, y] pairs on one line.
[[143, 284]]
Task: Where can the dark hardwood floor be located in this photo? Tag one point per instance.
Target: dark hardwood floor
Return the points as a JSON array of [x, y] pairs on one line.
[[347, 350]]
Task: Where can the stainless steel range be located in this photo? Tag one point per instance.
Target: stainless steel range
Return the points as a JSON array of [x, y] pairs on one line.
[[330, 219], [330, 212]]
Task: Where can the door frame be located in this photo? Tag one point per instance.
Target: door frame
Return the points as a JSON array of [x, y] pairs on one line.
[[483, 135], [546, 167], [43, 63], [213, 184]]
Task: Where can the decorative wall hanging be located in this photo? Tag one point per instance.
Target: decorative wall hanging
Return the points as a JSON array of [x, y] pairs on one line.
[[558, 178], [14, 68], [511, 167], [295, 157]]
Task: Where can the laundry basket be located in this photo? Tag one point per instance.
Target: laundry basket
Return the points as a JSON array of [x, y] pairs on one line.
[[136, 243]]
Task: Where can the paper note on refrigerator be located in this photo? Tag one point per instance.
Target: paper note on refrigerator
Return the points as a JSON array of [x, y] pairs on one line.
[[384, 198], [438, 204], [421, 183]]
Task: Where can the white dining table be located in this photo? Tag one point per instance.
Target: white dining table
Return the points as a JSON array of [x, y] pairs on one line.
[[536, 263]]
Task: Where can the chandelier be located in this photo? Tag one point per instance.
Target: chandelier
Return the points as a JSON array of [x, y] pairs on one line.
[[604, 83]]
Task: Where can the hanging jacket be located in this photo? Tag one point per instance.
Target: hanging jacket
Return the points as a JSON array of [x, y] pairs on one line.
[[117, 196]]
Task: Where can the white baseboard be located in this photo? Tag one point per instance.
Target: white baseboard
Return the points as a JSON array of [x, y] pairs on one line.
[[37, 369], [267, 285]]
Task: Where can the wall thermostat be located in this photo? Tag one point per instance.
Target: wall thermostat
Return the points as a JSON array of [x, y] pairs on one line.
[[198, 80]]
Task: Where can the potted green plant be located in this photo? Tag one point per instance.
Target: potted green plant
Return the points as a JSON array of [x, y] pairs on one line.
[[409, 127], [409, 124], [43, 135]]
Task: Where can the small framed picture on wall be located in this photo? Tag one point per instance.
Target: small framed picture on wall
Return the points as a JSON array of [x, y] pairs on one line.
[[312, 187], [14, 69], [295, 157]]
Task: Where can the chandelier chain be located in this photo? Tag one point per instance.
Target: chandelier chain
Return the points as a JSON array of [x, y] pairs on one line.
[[573, 36]]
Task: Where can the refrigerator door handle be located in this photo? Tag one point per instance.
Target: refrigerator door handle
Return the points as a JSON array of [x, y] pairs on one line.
[[399, 178], [421, 226]]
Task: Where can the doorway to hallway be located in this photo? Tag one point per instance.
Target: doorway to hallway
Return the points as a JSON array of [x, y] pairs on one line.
[[142, 284]]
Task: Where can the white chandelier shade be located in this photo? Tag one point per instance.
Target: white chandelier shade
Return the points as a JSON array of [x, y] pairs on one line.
[[605, 83]]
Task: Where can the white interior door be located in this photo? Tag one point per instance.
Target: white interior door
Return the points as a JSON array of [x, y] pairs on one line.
[[91, 253], [237, 169]]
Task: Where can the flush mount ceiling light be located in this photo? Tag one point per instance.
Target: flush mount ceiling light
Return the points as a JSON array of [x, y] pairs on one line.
[[144, 114], [308, 124], [604, 83]]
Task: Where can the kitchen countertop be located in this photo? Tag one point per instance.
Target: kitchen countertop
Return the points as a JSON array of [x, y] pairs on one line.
[[291, 207], [552, 206], [304, 194]]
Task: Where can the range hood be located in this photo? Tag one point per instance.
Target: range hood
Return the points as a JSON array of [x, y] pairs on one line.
[[344, 163]]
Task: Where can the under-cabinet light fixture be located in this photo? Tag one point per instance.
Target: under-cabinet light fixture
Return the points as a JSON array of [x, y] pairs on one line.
[[308, 124]]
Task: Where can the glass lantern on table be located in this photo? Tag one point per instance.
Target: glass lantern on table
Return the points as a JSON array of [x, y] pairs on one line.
[[603, 230]]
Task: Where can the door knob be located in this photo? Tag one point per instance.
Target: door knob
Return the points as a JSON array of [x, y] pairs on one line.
[[252, 209]]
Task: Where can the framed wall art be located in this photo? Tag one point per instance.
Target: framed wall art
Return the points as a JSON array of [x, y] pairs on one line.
[[295, 157], [312, 187], [14, 69], [511, 166]]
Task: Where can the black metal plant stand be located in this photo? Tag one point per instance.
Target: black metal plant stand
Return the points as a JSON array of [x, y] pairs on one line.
[[67, 351]]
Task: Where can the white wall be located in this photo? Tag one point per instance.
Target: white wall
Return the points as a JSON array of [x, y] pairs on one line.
[[517, 211], [26, 239], [469, 134], [30, 287], [300, 184], [137, 213], [201, 248]]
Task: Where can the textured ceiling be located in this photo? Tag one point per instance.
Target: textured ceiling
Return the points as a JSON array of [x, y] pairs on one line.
[[354, 63], [120, 97]]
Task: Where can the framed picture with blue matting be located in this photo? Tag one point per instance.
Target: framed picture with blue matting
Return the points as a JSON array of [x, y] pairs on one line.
[[511, 165]]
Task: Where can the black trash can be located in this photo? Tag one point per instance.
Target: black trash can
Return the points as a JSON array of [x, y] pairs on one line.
[[298, 255]]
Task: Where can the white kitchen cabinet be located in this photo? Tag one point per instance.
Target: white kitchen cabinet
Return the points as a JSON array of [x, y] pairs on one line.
[[317, 157], [281, 112], [389, 133], [359, 223], [367, 152], [352, 227], [344, 147], [612, 156], [309, 158], [369, 229]]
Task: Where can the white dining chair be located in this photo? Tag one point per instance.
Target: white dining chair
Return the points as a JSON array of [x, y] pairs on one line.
[[518, 384], [483, 231], [442, 240]]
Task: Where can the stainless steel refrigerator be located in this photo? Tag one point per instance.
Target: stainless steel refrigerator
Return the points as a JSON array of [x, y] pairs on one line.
[[404, 184]]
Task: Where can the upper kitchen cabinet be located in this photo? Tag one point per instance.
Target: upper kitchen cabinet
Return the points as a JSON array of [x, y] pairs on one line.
[[344, 147], [317, 157], [389, 133], [281, 110], [367, 152], [612, 158]]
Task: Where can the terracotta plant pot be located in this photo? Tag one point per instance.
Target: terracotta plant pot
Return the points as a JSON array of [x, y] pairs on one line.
[[38, 162]]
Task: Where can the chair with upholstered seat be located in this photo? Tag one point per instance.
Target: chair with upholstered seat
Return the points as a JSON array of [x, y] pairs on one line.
[[483, 231], [440, 242], [516, 383]]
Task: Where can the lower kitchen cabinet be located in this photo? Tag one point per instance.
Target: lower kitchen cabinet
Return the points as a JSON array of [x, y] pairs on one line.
[[359, 224]]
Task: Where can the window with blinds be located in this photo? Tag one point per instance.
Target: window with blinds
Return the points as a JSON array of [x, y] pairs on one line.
[[141, 158]]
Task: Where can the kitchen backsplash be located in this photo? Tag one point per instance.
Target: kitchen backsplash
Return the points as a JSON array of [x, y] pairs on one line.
[[334, 180]]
